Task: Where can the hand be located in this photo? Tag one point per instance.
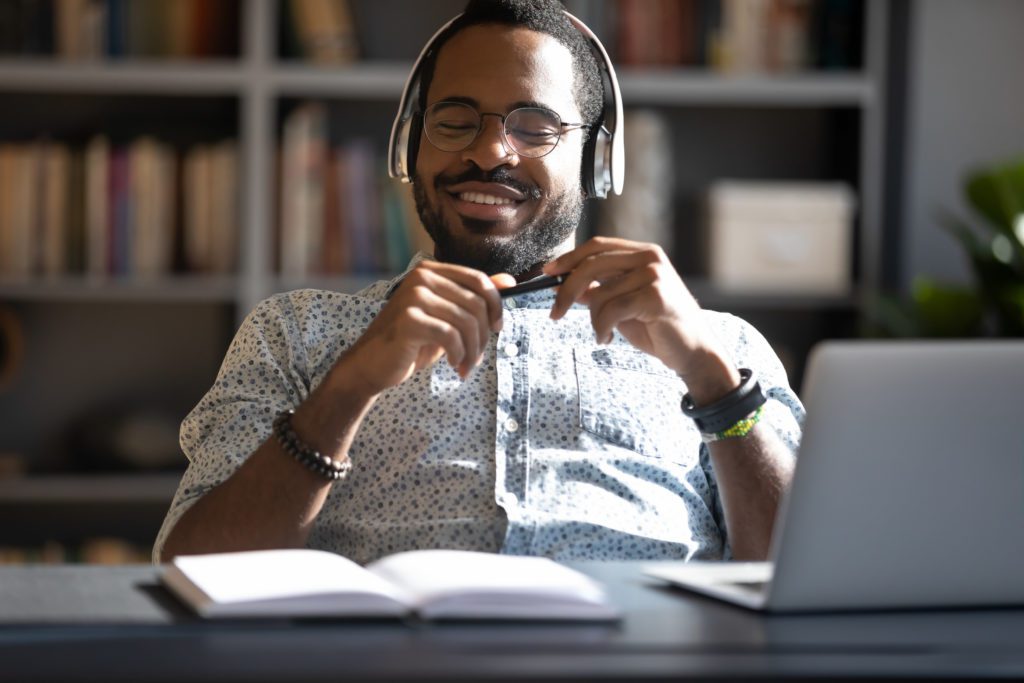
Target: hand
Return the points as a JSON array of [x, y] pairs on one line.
[[439, 309], [632, 287]]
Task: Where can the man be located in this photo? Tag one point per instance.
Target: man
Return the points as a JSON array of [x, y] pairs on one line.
[[445, 416]]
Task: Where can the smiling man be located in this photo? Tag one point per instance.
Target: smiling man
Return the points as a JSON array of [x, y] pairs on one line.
[[612, 418]]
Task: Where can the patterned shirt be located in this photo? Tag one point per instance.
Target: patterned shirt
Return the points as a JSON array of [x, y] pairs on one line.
[[554, 445]]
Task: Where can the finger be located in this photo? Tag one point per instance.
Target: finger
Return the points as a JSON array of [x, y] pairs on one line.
[[466, 324], [626, 298], [599, 268], [595, 245], [475, 281], [426, 330], [440, 282], [471, 302]]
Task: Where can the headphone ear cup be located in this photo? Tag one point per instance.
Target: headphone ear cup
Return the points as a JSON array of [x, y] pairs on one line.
[[415, 132], [589, 159]]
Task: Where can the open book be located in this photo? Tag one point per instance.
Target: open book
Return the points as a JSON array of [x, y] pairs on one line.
[[433, 584]]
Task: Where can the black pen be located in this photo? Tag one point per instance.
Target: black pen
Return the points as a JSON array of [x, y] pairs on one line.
[[533, 285]]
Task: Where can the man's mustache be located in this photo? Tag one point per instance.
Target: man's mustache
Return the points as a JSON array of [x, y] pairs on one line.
[[499, 175]]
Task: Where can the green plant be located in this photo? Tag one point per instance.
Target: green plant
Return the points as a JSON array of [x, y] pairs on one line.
[[994, 303]]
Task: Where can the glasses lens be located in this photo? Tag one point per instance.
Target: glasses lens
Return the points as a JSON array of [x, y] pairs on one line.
[[533, 132], [451, 126]]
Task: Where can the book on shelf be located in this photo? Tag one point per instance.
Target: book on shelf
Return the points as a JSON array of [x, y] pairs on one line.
[[320, 31], [97, 551], [16, 200], [210, 199], [116, 209], [737, 36], [303, 157], [644, 212], [431, 584], [338, 212], [90, 29]]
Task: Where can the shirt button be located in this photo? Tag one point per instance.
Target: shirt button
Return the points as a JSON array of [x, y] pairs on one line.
[[511, 350], [511, 425], [511, 303]]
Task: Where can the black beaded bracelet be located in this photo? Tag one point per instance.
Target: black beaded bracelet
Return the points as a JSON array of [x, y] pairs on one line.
[[728, 410], [324, 465]]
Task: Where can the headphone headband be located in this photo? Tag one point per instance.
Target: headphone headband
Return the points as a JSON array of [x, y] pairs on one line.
[[603, 164]]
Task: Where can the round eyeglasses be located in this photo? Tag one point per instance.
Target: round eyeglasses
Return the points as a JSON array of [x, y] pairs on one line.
[[528, 131]]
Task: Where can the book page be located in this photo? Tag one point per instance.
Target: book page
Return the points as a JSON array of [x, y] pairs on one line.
[[459, 583], [281, 582]]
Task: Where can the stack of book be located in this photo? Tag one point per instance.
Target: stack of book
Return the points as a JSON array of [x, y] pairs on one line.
[[88, 29], [742, 36], [111, 209], [339, 212]]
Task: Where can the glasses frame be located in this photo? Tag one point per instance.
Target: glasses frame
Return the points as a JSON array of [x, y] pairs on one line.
[[563, 127]]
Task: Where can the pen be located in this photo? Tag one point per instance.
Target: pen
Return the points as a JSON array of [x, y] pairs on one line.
[[533, 285]]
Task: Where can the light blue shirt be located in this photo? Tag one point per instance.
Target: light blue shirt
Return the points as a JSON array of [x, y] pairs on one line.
[[555, 445]]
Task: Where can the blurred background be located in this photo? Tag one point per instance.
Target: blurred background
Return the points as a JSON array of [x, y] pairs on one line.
[[823, 168]]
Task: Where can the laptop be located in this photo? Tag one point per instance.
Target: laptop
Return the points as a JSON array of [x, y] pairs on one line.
[[908, 490]]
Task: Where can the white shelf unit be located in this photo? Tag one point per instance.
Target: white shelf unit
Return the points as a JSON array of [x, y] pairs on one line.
[[258, 81]]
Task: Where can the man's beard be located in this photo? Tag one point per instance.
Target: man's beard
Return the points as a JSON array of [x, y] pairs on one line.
[[533, 244]]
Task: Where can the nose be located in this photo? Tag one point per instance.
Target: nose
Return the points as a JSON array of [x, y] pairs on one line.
[[490, 149]]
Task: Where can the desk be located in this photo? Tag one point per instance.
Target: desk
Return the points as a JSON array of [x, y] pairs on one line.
[[116, 624]]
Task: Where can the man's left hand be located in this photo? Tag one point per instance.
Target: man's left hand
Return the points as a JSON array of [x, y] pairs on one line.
[[633, 287]]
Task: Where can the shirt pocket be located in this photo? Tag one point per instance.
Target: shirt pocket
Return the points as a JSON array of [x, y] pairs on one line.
[[629, 399]]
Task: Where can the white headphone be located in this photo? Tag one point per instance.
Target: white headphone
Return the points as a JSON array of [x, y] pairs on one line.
[[603, 154]]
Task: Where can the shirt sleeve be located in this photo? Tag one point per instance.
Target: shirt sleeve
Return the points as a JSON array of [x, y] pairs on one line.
[[262, 374], [783, 411]]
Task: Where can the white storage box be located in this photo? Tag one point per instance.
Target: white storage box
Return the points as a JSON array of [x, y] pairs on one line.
[[780, 237]]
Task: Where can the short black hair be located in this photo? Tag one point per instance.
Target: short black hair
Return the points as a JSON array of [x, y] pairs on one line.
[[544, 16]]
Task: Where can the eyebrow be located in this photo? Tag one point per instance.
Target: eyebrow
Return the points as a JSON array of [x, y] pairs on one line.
[[515, 105]]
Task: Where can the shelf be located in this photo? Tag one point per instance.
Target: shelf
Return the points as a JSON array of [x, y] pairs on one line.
[[384, 80], [156, 489], [713, 296], [690, 87], [189, 288], [369, 80], [212, 77]]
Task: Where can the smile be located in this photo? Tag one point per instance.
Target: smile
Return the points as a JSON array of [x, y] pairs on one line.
[[481, 198]]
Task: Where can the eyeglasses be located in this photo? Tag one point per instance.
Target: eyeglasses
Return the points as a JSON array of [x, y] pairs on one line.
[[528, 131]]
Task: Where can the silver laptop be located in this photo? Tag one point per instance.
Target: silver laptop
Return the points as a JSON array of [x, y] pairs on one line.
[[909, 485]]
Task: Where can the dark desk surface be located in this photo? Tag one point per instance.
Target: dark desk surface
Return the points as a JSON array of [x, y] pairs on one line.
[[116, 624]]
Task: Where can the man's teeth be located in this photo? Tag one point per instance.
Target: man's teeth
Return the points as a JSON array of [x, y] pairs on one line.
[[481, 198]]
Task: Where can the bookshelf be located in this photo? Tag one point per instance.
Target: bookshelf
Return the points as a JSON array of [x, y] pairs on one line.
[[191, 316]]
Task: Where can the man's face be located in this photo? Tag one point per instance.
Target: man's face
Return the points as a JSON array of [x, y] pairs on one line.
[[498, 69]]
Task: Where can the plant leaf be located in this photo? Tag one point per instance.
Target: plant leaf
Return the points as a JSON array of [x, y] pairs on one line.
[[948, 310], [989, 271], [997, 193]]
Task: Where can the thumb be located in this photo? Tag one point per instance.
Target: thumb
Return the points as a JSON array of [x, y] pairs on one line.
[[503, 280]]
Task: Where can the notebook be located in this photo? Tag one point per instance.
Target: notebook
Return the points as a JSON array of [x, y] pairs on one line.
[[431, 584], [908, 490]]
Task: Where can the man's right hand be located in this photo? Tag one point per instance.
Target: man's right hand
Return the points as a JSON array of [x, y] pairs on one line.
[[439, 309]]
